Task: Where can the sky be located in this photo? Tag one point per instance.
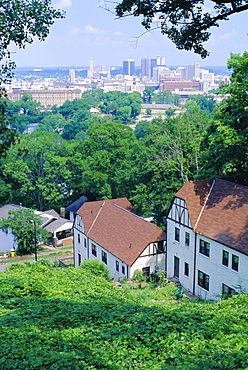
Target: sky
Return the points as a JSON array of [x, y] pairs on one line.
[[90, 32]]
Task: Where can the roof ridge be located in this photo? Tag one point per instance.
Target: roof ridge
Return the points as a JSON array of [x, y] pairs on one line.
[[96, 217], [210, 191], [126, 210]]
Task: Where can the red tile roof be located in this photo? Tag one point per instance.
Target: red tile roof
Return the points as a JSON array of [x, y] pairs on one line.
[[218, 209], [110, 224]]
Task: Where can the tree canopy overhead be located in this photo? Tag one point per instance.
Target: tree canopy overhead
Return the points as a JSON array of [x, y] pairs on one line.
[[20, 22], [186, 23]]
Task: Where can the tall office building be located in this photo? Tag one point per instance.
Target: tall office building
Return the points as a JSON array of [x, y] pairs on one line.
[[72, 76], [161, 61], [145, 62], [192, 71], [153, 64], [128, 67]]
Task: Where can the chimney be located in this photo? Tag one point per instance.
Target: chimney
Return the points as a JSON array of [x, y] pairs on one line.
[[62, 212]]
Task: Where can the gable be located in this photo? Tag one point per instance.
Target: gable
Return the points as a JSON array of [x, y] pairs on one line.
[[179, 212]]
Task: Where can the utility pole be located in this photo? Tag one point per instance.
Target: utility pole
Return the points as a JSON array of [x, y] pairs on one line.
[[35, 242]]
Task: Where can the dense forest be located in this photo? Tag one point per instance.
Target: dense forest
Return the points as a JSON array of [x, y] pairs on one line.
[[74, 152], [54, 318]]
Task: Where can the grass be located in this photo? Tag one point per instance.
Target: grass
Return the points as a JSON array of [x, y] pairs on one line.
[[24, 258]]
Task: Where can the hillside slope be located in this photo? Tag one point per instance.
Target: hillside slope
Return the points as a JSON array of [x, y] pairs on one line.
[[53, 318]]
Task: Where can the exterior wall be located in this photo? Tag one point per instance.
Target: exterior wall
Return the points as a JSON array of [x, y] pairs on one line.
[[179, 218], [149, 258], [7, 241], [218, 273], [211, 265], [83, 251]]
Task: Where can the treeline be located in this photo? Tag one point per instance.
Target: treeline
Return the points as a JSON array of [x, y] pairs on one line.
[[74, 151]]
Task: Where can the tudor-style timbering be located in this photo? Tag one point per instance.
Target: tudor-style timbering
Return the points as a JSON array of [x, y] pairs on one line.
[[202, 265]]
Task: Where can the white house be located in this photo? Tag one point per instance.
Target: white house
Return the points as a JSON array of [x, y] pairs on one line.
[[207, 238], [108, 231]]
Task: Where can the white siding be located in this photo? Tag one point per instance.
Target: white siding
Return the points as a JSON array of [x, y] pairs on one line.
[[84, 249], [184, 252], [149, 258], [7, 241], [218, 273]]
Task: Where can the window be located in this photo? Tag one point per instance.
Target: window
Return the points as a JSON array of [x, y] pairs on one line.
[[79, 259], [104, 257], [204, 248], [79, 238], [227, 292], [235, 262], [225, 258], [160, 248], [93, 250], [177, 234], [123, 270], [117, 265], [187, 238], [186, 269], [85, 243], [146, 271], [203, 280]]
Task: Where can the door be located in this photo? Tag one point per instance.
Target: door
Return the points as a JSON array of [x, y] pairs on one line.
[[176, 266]]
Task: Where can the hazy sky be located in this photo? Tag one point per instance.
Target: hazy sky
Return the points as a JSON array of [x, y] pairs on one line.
[[89, 32]]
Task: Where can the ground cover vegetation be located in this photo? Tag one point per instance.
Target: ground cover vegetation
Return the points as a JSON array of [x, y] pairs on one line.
[[75, 152], [54, 318]]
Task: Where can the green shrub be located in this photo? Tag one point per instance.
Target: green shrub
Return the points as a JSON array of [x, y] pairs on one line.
[[96, 268]]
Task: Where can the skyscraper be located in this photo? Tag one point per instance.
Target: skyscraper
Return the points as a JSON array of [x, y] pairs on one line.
[[153, 64], [145, 67], [72, 76], [128, 67], [161, 61]]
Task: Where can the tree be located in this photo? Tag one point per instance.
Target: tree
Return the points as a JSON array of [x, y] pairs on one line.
[[186, 23], [7, 135], [225, 148], [39, 170], [206, 103], [21, 223], [106, 164], [148, 94], [22, 21]]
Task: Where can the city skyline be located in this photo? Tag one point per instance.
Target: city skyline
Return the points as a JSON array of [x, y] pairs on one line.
[[89, 32]]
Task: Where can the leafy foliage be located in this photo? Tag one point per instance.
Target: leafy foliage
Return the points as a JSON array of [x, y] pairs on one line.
[[186, 23], [96, 268], [225, 150], [21, 21], [53, 318], [21, 223]]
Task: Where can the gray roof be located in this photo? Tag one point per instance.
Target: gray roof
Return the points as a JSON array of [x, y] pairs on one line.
[[51, 212], [56, 224], [74, 207], [4, 211]]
